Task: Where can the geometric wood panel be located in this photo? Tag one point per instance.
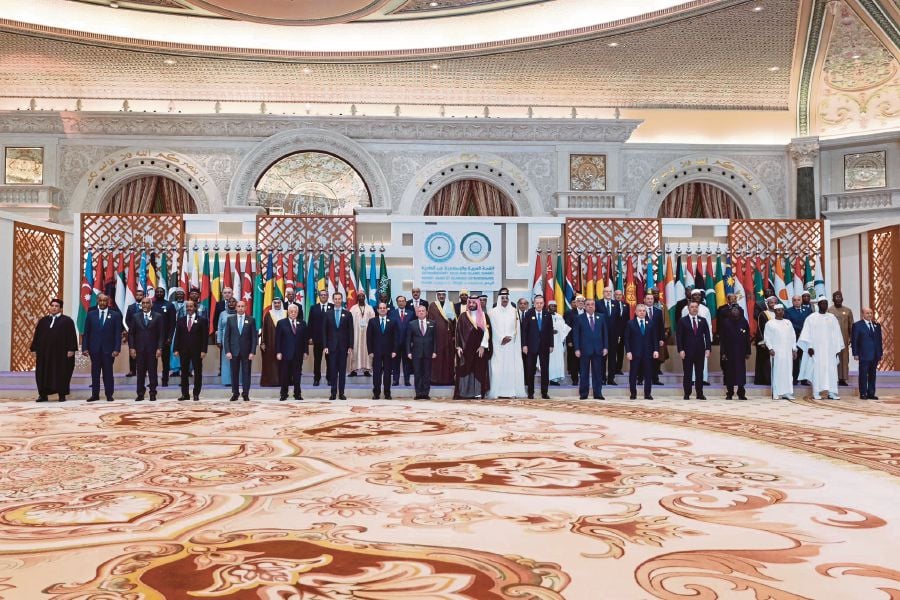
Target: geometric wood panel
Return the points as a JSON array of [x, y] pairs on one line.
[[284, 232], [38, 263], [631, 236], [783, 237], [131, 231], [884, 279]]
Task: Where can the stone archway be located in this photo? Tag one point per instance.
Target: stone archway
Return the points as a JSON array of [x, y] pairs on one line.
[[115, 169], [286, 143], [148, 194], [700, 199], [469, 165]]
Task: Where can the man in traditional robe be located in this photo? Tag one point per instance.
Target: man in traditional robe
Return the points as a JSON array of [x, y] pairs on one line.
[[269, 374], [797, 314], [442, 314], [54, 344], [557, 367], [460, 306], [868, 349], [473, 352], [362, 312], [762, 372], [573, 364], [822, 342], [506, 368], [177, 298], [102, 341], [734, 340], [844, 317], [780, 343]]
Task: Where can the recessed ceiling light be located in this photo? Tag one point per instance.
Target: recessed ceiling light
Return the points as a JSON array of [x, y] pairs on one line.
[[613, 44], [435, 66], [773, 69], [856, 56], [169, 61], [306, 70], [432, 4], [757, 9]]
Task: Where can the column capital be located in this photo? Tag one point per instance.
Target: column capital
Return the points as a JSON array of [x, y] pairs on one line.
[[804, 151]]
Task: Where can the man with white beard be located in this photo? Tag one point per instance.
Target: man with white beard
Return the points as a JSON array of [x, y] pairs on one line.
[[781, 342], [507, 370], [558, 356], [822, 343]]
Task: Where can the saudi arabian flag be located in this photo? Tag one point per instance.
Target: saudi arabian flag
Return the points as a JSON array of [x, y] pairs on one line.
[[788, 279], [259, 292], [809, 283], [384, 282], [679, 284]]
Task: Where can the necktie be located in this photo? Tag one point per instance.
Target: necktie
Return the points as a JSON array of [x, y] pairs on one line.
[[240, 324], [190, 322], [871, 327], [650, 313], [102, 317], [52, 321], [146, 320], [608, 309], [382, 324], [337, 317], [294, 326], [422, 326], [539, 319], [641, 322], [591, 321], [695, 325]]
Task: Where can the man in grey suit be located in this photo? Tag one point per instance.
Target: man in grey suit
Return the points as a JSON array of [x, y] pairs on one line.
[[239, 345], [420, 350]]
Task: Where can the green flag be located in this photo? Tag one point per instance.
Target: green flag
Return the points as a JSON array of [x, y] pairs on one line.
[[361, 275], [259, 292], [162, 278], [721, 300], [759, 292], [809, 282], [384, 282], [620, 285], [788, 276], [321, 284]]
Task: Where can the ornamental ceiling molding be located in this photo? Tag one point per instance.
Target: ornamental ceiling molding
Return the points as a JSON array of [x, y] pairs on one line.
[[738, 180], [105, 176], [687, 10], [276, 147], [364, 128]]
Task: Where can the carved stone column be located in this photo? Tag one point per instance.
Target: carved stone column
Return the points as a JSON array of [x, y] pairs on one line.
[[804, 151]]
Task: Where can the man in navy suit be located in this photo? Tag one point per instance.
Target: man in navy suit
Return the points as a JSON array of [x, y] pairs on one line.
[[420, 349], [641, 350], [694, 344], [655, 316], [402, 315], [132, 310], [417, 299], [868, 350], [290, 349], [382, 346], [611, 309], [591, 338], [191, 343], [239, 345], [337, 339], [537, 344], [102, 341], [314, 334], [166, 311], [146, 338]]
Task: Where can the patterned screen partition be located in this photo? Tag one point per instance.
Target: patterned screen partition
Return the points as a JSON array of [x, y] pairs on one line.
[[631, 235], [38, 264], [289, 231], [793, 237], [884, 272], [135, 231]]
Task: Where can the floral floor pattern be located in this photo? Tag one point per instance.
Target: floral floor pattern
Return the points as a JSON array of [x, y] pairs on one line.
[[439, 500]]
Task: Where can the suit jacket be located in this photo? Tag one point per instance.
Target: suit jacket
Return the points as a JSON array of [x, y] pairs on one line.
[[147, 338], [590, 341], [538, 342], [693, 344], [403, 319], [797, 317], [615, 317], [641, 345], [659, 324], [337, 338], [866, 344], [314, 329], [218, 310], [195, 341], [299, 306], [288, 343], [240, 343], [380, 342], [133, 309], [167, 310], [420, 302], [102, 340], [420, 346]]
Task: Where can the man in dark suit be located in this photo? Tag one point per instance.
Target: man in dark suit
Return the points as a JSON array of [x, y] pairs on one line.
[[191, 344], [239, 345], [220, 307], [611, 310], [166, 311], [573, 365], [625, 314], [657, 320], [145, 341], [290, 349], [382, 346], [591, 339], [420, 340], [641, 350], [337, 337], [868, 349], [102, 341], [417, 299], [694, 342], [314, 333], [290, 297], [402, 315], [537, 344], [796, 314], [132, 310]]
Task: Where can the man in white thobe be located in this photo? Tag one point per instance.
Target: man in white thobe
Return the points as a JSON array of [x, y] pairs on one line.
[[558, 356], [781, 343], [507, 370], [703, 311], [360, 363], [821, 342]]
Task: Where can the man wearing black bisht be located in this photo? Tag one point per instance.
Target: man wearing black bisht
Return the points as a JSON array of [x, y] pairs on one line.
[[473, 349], [734, 340], [54, 344]]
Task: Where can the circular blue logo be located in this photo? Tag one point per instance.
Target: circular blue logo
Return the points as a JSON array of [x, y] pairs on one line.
[[439, 247], [475, 247]]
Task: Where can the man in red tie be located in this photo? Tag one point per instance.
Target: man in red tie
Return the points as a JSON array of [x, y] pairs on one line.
[[191, 344], [694, 344]]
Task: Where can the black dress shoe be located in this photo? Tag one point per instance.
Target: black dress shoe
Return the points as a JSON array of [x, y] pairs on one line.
[[233, 398], [41, 399], [648, 397], [657, 382], [742, 397], [351, 374], [611, 382], [165, 382], [196, 398], [640, 381], [298, 397], [282, 399], [152, 398], [62, 398], [582, 397], [129, 374], [175, 374], [395, 382], [706, 383], [183, 397], [342, 397], [139, 399], [331, 397], [315, 382], [545, 396], [600, 397], [246, 398], [619, 373], [553, 382], [729, 396], [93, 398], [377, 396], [109, 398], [873, 397], [843, 382], [531, 396], [407, 383], [368, 373], [632, 397], [686, 397], [701, 397], [387, 397]]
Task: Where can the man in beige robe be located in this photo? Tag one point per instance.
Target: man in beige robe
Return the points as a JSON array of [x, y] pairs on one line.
[[268, 376], [359, 362], [845, 319]]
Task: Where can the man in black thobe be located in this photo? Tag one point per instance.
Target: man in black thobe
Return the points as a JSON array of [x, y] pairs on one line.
[[734, 343], [54, 344], [473, 350]]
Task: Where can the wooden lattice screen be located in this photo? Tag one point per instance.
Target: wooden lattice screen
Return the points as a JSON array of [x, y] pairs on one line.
[[610, 235], [135, 231], [884, 272], [791, 237], [38, 264], [283, 232]]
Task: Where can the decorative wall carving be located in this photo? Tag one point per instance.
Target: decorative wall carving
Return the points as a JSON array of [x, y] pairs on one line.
[[587, 172], [312, 183], [864, 170]]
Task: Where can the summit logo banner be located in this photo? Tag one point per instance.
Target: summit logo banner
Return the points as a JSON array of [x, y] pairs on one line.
[[455, 256]]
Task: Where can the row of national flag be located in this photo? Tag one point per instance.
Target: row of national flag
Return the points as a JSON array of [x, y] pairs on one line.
[[256, 278], [671, 275]]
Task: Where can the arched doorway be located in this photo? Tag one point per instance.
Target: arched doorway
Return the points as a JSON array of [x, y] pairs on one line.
[[700, 200], [149, 194], [470, 198]]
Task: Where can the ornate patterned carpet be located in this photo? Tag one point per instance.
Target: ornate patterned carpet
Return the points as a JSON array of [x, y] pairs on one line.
[[450, 501]]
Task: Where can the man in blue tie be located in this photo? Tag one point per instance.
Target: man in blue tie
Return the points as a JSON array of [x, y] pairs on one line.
[[868, 349], [239, 344], [641, 350], [382, 347], [591, 339], [337, 337], [102, 341]]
